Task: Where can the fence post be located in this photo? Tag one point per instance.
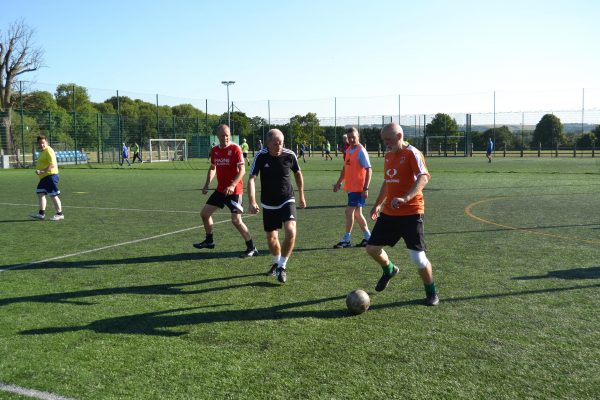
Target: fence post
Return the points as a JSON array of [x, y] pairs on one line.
[[539, 149], [504, 150], [556, 152], [574, 150], [471, 155]]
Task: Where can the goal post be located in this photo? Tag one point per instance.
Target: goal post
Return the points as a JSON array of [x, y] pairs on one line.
[[168, 150]]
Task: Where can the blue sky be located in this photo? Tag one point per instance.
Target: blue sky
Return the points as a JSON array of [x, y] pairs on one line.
[[445, 56]]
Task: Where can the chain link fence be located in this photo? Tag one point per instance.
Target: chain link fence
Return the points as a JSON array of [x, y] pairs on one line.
[[116, 118]]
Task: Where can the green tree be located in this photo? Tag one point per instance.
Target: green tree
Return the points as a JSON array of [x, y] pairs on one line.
[[71, 97], [64, 98], [442, 125], [240, 123], [39, 100], [596, 132], [501, 136], [548, 132], [586, 141]]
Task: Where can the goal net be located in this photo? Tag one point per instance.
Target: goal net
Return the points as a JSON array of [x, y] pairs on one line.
[[168, 150]]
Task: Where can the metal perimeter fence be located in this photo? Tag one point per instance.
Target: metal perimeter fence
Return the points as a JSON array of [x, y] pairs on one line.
[[100, 135]]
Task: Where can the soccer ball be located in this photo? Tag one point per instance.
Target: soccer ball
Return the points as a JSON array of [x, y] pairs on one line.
[[358, 301]]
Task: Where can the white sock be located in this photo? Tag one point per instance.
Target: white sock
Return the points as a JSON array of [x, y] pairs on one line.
[[276, 259], [282, 262]]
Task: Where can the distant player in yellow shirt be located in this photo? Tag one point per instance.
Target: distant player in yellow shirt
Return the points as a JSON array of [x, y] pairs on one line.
[[245, 149], [46, 169]]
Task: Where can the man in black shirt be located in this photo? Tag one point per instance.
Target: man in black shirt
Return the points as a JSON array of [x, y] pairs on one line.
[[275, 164]]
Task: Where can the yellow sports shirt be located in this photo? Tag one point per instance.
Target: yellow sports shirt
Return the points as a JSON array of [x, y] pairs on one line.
[[47, 157]]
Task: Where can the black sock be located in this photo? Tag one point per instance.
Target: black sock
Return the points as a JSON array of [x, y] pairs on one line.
[[42, 212], [59, 213], [209, 238], [250, 244]]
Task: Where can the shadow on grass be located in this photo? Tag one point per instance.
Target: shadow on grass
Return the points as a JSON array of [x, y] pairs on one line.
[[157, 323], [12, 221], [205, 255], [164, 289], [573, 273]]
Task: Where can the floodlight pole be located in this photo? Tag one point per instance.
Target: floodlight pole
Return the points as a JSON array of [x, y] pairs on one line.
[[227, 83]]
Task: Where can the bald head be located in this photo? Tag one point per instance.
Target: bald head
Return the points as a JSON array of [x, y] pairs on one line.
[[224, 135], [275, 142], [392, 135]]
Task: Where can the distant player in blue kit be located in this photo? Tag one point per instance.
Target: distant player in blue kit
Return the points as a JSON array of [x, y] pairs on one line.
[[302, 151], [124, 155], [275, 164], [489, 150]]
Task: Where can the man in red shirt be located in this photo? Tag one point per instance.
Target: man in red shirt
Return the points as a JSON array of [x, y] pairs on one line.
[[226, 160], [345, 145], [399, 210]]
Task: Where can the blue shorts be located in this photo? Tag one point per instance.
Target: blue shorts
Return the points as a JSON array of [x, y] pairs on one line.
[[355, 199], [48, 185]]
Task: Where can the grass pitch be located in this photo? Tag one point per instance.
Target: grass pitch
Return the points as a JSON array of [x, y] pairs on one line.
[[113, 302]]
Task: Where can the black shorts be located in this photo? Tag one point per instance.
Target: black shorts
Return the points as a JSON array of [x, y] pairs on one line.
[[245, 155], [233, 201], [274, 219], [389, 230]]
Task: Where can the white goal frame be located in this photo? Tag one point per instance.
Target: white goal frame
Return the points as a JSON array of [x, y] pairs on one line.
[[162, 150]]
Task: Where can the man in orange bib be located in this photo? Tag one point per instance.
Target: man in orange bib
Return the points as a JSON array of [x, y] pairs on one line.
[[399, 210], [356, 176]]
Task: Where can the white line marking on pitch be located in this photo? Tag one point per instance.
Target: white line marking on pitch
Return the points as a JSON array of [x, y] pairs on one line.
[[37, 394], [107, 247]]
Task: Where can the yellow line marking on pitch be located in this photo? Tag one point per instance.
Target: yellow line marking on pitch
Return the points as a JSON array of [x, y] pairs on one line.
[[469, 208]]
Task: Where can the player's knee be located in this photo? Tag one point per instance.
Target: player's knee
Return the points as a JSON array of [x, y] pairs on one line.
[[373, 250], [419, 258]]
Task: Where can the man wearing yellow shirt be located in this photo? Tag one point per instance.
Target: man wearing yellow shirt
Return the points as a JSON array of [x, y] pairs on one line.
[[46, 169]]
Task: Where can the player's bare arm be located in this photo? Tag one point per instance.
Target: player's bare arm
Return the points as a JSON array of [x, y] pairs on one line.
[[300, 183], [45, 170], [253, 206], [365, 192], [338, 184], [209, 177], [241, 171], [416, 188]]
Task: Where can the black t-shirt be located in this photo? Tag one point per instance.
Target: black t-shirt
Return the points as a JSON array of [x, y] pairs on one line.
[[275, 182]]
